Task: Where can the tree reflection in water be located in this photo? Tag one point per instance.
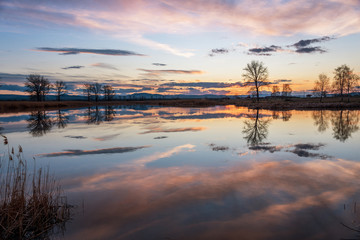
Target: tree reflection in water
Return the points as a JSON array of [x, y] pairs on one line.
[[321, 119], [62, 119], [255, 129], [39, 123], [109, 113], [94, 116], [344, 122]]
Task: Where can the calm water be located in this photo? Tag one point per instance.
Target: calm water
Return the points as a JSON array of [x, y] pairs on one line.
[[199, 173]]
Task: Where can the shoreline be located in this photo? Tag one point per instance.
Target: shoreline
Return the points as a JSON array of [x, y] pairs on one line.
[[269, 104]]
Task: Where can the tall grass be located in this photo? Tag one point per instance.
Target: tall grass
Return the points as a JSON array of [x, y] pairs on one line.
[[31, 205]]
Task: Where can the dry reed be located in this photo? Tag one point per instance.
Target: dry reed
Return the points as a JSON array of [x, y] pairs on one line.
[[31, 205]]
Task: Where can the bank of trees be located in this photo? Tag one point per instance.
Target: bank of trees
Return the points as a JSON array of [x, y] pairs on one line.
[[344, 83], [39, 87], [94, 92]]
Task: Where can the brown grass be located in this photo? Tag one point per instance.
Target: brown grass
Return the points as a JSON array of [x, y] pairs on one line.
[[31, 206], [265, 103]]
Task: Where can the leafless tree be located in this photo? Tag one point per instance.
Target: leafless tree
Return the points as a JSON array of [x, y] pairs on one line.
[[342, 76], [96, 89], [87, 91], [256, 76], [37, 86], [322, 86], [351, 83], [109, 92], [286, 91], [60, 89], [275, 91]]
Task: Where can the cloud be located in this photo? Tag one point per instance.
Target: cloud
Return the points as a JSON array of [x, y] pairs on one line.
[[75, 137], [216, 51], [104, 65], [265, 148], [12, 87], [163, 89], [131, 21], [73, 67], [172, 130], [277, 81], [243, 199], [310, 50], [217, 148], [265, 51], [76, 152], [303, 46], [170, 71], [203, 84], [73, 51], [159, 64], [301, 150], [160, 137], [304, 43]]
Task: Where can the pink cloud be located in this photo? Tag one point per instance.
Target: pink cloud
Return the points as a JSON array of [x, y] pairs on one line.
[[131, 20]]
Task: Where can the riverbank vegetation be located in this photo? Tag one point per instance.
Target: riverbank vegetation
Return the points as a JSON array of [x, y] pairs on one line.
[[274, 103], [31, 204]]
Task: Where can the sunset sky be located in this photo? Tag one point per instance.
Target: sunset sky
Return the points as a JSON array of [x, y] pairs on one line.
[[173, 46]]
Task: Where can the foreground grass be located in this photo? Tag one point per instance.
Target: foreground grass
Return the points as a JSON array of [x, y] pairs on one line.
[[31, 205], [269, 103]]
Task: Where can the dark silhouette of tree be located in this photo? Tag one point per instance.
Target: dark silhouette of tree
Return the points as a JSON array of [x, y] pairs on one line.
[[39, 123], [275, 91], [96, 89], [342, 76], [351, 83], [255, 129], [321, 120], [286, 91], [109, 92], [344, 122], [94, 116], [37, 86], [87, 91], [61, 120], [109, 113], [322, 86], [60, 89], [256, 76]]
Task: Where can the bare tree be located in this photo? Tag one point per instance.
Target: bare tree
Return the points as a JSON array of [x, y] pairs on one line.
[[60, 89], [275, 91], [342, 76], [96, 89], [109, 92], [322, 86], [256, 76], [351, 83], [286, 91], [87, 91], [37, 86]]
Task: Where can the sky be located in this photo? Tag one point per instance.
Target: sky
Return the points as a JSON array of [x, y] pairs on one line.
[[175, 47]]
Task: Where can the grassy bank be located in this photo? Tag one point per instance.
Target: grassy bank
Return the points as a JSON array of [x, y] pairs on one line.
[[273, 103]]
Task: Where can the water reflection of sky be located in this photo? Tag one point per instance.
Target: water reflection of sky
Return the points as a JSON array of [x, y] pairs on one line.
[[182, 173]]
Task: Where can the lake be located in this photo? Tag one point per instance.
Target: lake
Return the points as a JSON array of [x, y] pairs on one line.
[[142, 172]]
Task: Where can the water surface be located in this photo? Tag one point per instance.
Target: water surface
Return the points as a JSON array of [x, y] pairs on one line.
[[226, 172]]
